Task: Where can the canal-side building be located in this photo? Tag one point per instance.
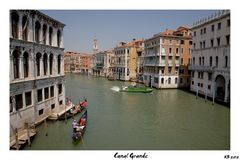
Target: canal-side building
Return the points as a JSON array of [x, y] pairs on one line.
[[126, 58], [97, 60], [140, 60], [85, 61], [77, 62], [37, 80], [210, 67], [107, 63], [98, 64], [166, 59]]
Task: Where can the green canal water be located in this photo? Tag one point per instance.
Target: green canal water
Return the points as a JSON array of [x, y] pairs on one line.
[[162, 120]]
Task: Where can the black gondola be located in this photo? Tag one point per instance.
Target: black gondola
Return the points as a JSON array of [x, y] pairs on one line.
[[80, 126], [70, 113]]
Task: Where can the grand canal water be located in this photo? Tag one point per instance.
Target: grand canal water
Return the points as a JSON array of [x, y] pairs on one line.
[[162, 120]]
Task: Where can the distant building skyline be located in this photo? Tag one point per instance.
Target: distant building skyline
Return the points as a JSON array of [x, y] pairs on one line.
[[113, 26]]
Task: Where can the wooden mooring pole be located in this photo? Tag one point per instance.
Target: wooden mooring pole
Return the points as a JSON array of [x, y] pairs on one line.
[[45, 127], [28, 134], [213, 97], [65, 116], [16, 138], [197, 93], [206, 94], [213, 94]]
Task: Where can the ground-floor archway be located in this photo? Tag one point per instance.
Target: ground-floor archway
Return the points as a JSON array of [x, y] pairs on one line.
[[220, 89]]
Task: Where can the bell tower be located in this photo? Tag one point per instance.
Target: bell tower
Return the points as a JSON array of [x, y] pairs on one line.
[[95, 45]]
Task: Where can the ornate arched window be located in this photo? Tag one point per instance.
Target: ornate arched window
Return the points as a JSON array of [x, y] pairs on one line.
[[14, 21], [59, 38], [44, 34], [162, 80], [26, 64], [210, 60], [169, 80], [51, 63], [176, 80], [59, 64], [226, 61], [45, 63], [37, 31], [38, 57], [16, 64], [25, 28], [50, 35]]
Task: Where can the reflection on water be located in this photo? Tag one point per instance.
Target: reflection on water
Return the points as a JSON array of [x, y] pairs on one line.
[[163, 119]]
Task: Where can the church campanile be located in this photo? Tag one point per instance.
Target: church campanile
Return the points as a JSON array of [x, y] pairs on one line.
[[95, 45]]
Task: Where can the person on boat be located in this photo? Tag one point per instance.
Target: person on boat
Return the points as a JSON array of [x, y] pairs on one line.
[[74, 125], [71, 110], [84, 103], [82, 121]]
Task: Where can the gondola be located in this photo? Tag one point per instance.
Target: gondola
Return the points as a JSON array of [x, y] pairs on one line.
[[73, 111], [70, 113], [79, 127]]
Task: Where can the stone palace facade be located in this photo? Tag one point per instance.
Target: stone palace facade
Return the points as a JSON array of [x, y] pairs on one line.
[[36, 67]]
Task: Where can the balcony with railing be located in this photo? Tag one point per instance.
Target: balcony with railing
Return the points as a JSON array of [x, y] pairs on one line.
[[99, 65], [154, 63], [202, 68], [151, 54], [176, 62]]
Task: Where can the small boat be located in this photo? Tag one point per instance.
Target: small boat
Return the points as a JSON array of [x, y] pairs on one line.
[[74, 110], [70, 113], [136, 89], [79, 126], [110, 78]]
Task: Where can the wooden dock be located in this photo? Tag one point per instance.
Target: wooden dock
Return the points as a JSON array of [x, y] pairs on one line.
[[23, 137], [55, 115]]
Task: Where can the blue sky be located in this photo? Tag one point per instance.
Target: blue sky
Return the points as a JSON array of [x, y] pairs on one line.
[[113, 26]]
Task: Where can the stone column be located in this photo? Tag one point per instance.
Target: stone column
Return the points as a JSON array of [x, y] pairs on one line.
[[30, 29], [54, 37], [11, 74], [48, 65], [54, 65], [34, 65], [31, 66], [40, 34], [56, 96], [10, 25], [21, 69], [47, 35], [13, 103], [41, 66], [20, 27], [61, 39], [62, 66], [35, 101], [24, 100], [226, 90]]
